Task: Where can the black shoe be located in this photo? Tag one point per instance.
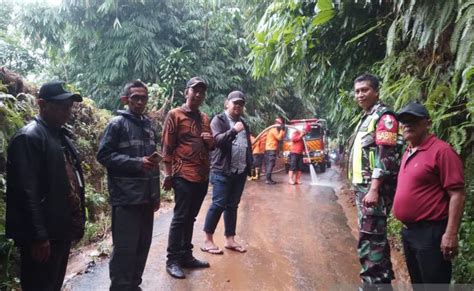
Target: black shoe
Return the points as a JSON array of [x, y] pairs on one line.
[[195, 263], [270, 182], [174, 269]]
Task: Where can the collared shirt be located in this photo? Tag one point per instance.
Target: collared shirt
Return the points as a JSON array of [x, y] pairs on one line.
[[74, 197], [424, 178], [183, 145], [239, 149]]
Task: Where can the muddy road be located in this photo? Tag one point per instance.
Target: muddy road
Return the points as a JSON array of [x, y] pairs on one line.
[[296, 235]]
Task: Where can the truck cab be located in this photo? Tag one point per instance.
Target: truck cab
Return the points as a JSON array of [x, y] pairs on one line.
[[315, 149]]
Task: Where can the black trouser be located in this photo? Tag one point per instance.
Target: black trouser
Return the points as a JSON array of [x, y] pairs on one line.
[[188, 198], [270, 158], [132, 229], [425, 262], [47, 276]]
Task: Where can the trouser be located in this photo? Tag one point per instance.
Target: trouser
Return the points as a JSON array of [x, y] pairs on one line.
[[270, 158], [132, 229], [425, 261], [373, 246], [188, 198], [46, 276], [258, 160], [226, 193]]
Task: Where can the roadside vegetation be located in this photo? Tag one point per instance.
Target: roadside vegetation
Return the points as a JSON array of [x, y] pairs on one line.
[[296, 59]]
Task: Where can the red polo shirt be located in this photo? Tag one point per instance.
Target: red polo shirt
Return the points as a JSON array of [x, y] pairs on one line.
[[423, 181]]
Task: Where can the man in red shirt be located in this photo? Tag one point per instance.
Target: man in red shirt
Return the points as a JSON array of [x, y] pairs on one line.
[[429, 200], [296, 155]]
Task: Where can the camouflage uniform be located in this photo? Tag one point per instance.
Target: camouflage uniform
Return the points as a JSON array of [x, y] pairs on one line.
[[375, 154]]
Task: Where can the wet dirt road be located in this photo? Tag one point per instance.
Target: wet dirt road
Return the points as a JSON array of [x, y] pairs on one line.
[[297, 239]]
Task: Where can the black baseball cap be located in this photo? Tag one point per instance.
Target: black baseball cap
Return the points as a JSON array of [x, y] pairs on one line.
[[193, 82], [56, 91], [413, 108], [236, 95]]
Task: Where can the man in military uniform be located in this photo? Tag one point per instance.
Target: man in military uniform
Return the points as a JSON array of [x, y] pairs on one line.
[[373, 167]]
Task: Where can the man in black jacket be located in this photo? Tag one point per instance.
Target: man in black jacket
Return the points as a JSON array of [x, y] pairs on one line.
[[230, 164], [128, 151], [45, 191]]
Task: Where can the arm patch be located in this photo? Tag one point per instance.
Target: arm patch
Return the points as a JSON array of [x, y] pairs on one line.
[[386, 131]]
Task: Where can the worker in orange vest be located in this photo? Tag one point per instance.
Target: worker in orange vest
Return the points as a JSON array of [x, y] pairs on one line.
[[258, 152], [274, 136]]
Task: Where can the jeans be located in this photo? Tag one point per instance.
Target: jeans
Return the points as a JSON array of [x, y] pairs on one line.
[[270, 158], [47, 276], [425, 262], [188, 198], [227, 190], [132, 229]]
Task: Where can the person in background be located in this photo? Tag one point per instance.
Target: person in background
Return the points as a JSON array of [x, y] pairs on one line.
[[373, 167], [231, 163], [274, 136], [296, 155], [128, 151], [187, 141], [45, 210], [258, 152], [429, 200]]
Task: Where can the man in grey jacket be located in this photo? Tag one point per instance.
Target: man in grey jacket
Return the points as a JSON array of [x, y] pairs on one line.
[[230, 165], [128, 151]]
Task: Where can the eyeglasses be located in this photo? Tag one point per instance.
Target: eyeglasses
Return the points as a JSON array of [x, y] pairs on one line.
[[239, 102], [139, 97]]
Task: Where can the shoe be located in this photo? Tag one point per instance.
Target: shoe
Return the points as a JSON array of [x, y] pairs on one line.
[[195, 264], [174, 269], [270, 182], [239, 249], [212, 250]]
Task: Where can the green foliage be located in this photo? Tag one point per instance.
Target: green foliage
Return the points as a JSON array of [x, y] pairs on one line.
[[463, 272], [394, 228], [13, 55]]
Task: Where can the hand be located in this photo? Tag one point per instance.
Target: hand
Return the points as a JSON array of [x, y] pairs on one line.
[[371, 198], [449, 246], [239, 126], [208, 139], [155, 158], [206, 136], [40, 251], [156, 206], [147, 165], [167, 183]]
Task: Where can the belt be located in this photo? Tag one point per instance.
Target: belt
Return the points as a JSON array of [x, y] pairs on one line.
[[424, 224]]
